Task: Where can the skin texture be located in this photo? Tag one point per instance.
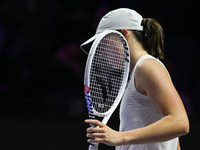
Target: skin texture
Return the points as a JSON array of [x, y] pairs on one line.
[[151, 79]]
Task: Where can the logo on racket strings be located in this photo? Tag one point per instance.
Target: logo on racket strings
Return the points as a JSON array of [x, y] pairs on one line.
[[101, 105], [88, 101]]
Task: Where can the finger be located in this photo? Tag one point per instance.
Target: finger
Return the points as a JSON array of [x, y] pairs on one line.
[[94, 122], [96, 140], [90, 129], [95, 135], [91, 141], [95, 129]]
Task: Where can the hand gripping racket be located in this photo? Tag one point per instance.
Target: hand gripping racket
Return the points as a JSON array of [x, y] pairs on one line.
[[106, 75]]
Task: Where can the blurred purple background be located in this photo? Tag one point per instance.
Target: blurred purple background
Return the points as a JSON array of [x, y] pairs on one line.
[[42, 66]]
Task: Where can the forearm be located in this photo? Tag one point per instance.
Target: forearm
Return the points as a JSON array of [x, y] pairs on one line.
[[162, 130], [165, 129]]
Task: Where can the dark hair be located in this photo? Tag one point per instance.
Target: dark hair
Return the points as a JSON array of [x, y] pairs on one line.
[[151, 38]]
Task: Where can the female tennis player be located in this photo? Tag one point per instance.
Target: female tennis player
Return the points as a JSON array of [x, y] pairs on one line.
[[152, 115]]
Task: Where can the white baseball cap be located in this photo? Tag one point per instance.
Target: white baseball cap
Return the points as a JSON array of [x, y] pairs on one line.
[[118, 19]]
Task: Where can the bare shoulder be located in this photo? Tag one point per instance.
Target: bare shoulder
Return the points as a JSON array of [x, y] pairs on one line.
[[152, 79], [151, 67], [150, 73]]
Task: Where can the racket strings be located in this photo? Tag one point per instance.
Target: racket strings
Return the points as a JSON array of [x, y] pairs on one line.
[[107, 72]]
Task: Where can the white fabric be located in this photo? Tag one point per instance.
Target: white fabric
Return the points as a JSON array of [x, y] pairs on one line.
[[122, 18], [137, 111], [118, 19]]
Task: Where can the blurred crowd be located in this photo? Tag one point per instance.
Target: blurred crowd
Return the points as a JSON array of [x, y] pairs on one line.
[[40, 53]]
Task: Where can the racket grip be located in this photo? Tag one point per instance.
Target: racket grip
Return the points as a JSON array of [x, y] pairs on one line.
[[92, 125], [93, 147]]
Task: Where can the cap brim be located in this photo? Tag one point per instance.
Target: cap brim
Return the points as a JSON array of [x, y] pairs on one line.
[[87, 42]]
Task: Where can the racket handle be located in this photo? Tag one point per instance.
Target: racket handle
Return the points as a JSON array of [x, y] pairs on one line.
[[93, 147]]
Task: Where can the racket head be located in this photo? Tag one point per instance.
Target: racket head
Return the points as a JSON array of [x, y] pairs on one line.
[[106, 73]]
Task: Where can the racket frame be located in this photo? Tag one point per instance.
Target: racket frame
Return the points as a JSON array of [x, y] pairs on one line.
[[91, 111]]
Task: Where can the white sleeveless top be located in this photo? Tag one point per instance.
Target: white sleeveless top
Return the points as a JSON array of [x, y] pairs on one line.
[[137, 111]]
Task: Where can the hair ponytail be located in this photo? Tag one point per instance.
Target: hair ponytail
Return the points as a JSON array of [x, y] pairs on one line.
[[152, 37]]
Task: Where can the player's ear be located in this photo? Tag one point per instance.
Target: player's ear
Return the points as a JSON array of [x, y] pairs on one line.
[[124, 32]]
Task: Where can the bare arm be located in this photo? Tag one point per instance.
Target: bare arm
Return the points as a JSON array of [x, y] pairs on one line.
[[178, 146], [151, 79]]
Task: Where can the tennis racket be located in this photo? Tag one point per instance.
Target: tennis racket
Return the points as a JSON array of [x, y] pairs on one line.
[[106, 75]]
